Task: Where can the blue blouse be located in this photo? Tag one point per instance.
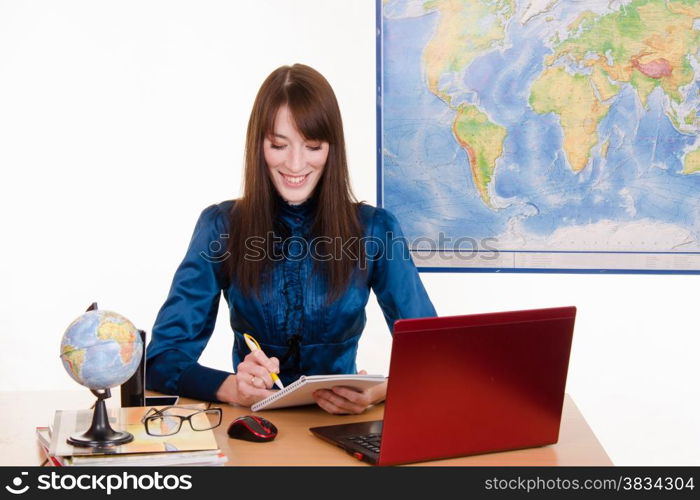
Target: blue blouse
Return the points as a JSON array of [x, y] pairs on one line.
[[290, 318]]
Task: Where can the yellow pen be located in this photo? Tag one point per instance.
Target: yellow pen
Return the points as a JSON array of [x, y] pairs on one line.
[[254, 346]]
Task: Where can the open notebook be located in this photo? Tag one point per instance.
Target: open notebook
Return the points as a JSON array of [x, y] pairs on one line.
[[299, 392]]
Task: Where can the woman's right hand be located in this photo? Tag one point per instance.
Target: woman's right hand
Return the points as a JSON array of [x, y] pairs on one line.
[[252, 380]]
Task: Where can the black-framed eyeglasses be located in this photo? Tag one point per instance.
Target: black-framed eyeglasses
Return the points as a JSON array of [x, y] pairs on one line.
[[168, 421]]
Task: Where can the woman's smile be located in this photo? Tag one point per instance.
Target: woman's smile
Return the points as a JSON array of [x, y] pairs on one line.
[[294, 180], [295, 162]]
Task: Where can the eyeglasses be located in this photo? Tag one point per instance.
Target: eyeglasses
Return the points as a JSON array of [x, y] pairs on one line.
[[168, 421]]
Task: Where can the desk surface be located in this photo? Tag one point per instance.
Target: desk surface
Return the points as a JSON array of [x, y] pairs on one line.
[[22, 412]]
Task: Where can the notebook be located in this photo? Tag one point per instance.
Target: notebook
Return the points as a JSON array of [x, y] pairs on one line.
[[465, 385], [298, 393]]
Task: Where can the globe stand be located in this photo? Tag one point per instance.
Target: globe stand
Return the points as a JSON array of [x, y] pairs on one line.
[[100, 433]]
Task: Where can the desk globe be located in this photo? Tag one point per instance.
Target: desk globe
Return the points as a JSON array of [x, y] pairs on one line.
[[100, 350]]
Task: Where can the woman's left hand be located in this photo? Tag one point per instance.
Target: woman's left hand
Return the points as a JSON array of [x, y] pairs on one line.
[[345, 400]]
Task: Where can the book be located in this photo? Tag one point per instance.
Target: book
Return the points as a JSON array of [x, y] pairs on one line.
[[187, 447], [298, 393], [205, 457], [43, 436]]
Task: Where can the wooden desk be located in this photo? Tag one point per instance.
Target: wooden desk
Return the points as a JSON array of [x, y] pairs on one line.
[[22, 412]]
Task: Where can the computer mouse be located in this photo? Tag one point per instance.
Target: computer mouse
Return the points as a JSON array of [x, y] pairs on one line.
[[252, 428]]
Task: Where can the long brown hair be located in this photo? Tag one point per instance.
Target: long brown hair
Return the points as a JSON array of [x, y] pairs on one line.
[[315, 111]]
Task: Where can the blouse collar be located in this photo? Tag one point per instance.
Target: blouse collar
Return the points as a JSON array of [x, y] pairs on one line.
[[303, 210]]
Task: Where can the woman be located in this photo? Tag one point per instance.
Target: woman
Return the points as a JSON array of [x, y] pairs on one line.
[[295, 256]]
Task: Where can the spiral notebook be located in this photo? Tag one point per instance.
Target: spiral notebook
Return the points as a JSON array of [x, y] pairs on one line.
[[298, 393]]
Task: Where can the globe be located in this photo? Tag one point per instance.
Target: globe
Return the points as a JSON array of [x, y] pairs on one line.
[[101, 349]]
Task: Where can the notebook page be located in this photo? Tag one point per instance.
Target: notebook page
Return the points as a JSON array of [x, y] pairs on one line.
[[299, 392]]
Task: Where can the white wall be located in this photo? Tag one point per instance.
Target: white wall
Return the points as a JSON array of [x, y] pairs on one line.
[[121, 121]]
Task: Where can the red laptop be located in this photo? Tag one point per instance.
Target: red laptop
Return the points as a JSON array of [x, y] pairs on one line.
[[464, 385]]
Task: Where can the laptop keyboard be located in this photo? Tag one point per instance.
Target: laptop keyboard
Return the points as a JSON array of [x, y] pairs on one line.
[[368, 441]]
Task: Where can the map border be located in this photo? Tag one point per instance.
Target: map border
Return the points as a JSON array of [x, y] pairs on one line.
[[499, 269]]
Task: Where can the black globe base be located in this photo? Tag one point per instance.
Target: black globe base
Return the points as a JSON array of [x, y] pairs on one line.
[[87, 439], [100, 434]]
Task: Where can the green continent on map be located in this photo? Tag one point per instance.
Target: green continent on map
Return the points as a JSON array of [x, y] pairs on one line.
[[573, 100], [483, 141], [465, 31], [114, 328], [645, 44], [691, 162], [75, 359]]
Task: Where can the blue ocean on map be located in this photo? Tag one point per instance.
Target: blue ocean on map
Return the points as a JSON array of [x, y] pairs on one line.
[[427, 180]]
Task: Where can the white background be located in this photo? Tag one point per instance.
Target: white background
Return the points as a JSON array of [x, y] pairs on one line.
[[121, 121]]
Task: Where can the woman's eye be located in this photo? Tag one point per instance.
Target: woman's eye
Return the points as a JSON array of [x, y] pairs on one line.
[[314, 148], [277, 146]]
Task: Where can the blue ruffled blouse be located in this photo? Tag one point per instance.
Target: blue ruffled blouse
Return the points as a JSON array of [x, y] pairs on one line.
[[290, 318]]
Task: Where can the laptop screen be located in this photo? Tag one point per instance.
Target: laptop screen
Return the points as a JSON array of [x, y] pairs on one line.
[[472, 384], [464, 385]]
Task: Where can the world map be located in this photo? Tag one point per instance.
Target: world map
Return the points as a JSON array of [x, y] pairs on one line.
[[530, 134]]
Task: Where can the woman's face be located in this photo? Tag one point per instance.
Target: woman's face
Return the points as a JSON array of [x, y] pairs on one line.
[[295, 163]]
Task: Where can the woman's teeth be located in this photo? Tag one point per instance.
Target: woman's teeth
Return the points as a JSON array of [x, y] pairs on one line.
[[294, 179]]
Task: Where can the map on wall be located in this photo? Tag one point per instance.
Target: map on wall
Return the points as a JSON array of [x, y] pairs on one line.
[[542, 134]]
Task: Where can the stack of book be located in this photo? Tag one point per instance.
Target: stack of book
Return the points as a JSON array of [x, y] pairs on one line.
[[187, 447]]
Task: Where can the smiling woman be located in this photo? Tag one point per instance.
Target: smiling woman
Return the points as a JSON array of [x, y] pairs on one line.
[[295, 143], [296, 257], [295, 162]]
